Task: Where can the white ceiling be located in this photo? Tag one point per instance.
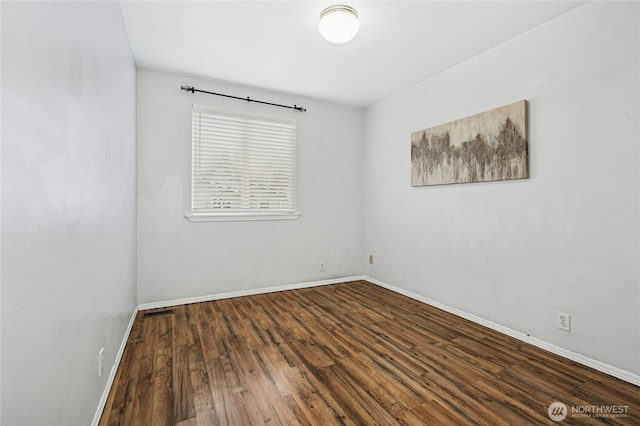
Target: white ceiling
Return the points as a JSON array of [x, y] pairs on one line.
[[276, 45]]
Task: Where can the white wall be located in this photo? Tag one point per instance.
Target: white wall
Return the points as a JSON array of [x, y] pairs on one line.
[[516, 252], [178, 258], [68, 206]]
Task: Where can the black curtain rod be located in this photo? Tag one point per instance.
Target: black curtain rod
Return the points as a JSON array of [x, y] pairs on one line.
[[248, 99]]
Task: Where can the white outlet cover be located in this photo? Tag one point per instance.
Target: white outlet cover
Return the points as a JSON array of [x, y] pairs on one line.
[[101, 362], [564, 321]]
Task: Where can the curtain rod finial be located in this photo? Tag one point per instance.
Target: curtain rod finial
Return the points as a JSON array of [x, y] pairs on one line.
[[187, 88]]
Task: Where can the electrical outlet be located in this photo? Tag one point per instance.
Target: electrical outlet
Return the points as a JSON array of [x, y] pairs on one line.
[[370, 259], [564, 321], [322, 266], [100, 362]]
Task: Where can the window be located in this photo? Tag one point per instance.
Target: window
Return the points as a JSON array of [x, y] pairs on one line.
[[243, 166]]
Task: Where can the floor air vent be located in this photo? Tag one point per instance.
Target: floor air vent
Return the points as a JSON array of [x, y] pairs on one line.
[[156, 313]]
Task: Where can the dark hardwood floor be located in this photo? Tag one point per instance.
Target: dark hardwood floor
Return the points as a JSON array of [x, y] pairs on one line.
[[351, 353]]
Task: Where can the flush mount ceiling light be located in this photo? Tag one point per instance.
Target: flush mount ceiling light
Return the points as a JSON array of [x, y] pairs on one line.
[[339, 24]]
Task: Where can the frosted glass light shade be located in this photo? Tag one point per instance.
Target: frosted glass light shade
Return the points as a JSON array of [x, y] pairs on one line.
[[339, 24]]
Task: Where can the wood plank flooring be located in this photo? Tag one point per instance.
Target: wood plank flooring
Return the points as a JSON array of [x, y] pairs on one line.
[[344, 354]]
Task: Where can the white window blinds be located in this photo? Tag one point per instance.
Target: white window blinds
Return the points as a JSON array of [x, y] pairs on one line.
[[242, 164]]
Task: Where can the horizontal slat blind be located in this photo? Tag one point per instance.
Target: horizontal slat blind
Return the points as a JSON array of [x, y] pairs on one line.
[[242, 164]]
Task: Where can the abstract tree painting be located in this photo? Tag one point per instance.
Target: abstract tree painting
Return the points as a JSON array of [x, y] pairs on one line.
[[484, 147]]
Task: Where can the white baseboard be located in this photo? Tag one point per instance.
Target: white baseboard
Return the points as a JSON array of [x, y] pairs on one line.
[[209, 297], [589, 362], [114, 369]]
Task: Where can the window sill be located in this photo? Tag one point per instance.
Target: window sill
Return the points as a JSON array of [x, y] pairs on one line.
[[240, 217]]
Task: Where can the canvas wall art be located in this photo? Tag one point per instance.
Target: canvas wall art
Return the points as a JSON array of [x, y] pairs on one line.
[[484, 147]]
